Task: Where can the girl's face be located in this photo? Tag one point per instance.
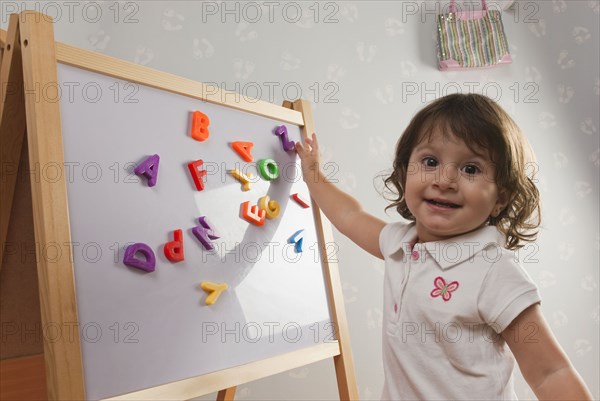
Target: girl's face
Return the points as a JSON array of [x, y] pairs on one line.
[[450, 190]]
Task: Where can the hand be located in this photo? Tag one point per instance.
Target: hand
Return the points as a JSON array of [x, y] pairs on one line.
[[309, 157], [344, 212]]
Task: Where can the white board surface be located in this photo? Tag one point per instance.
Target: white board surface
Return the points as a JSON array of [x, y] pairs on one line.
[[138, 329]]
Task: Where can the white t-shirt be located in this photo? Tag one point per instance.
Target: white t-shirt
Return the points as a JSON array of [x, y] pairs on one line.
[[445, 303]]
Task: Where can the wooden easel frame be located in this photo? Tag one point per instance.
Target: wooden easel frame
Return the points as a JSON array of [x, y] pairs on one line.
[[30, 57]]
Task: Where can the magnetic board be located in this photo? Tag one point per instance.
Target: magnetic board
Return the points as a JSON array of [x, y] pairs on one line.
[[141, 329], [115, 331]]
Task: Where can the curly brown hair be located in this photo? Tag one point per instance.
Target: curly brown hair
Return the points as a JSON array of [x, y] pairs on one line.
[[482, 124]]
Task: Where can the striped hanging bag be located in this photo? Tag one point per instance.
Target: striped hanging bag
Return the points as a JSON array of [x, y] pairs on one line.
[[471, 39]]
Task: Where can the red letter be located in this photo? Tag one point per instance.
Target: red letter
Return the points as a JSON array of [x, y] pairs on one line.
[[253, 214], [197, 174], [174, 249]]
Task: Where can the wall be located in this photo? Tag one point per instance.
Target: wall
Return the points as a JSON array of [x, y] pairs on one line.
[[368, 67]]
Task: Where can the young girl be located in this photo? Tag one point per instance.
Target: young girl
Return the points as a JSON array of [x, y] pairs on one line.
[[455, 298]]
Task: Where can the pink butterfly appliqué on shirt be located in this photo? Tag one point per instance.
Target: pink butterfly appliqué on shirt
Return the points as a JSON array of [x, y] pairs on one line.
[[443, 289]]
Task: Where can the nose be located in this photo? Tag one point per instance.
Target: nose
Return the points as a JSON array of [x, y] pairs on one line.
[[447, 177]]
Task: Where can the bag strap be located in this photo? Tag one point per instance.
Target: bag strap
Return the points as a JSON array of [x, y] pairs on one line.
[[453, 5]]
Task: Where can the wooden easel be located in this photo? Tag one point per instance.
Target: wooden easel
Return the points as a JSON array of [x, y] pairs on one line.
[[30, 57]]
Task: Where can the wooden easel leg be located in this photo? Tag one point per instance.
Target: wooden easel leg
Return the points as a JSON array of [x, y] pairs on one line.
[[226, 395], [344, 364], [58, 304], [12, 124]]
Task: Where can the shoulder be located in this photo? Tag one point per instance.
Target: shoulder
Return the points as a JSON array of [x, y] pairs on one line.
[[489, 243], [507, 288], [393, 235], [500, 258]]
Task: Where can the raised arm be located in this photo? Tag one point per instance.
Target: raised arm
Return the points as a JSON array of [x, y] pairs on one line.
[[344, 212], [543, 363]]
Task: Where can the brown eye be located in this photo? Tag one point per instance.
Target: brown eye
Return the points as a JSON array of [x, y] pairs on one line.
[[429, 162], [471, 169]]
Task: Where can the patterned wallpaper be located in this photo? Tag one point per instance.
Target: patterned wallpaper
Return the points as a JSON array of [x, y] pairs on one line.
[[368, 66]]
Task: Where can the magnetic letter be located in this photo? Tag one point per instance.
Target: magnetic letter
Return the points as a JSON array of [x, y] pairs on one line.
[[268, 169], [149, 169], [174, 249], [200, 123], [253, 214], [271, 207], [301, 201], [197, 175], [130, 260], [205, 233], [243, 149], [213, 290], [281, 132], [244, 179], [297, 239]]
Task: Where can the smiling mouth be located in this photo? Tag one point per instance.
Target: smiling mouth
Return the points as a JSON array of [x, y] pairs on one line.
[[442, 204]]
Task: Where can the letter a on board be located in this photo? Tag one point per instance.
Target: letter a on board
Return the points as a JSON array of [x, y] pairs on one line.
[[149, 169], [243, 149]]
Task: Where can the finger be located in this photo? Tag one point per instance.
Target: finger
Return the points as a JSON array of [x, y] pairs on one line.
[[308, 143], [301, 150], [315, 142]]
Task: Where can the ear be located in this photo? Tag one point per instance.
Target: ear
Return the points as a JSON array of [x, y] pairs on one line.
[[504, 197]]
